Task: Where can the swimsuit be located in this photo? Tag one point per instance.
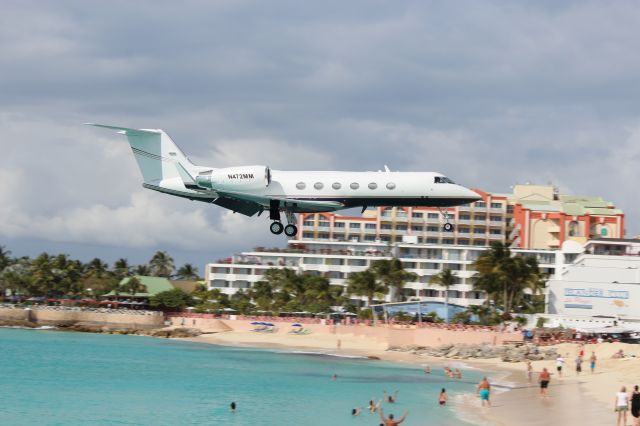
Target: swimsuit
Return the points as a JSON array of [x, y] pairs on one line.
[[484, 394], [544, 384]]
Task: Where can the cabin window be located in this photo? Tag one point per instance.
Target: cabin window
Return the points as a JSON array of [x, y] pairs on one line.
[[336, 186], [373, 185], [391, 185], [318, 185], [354, 185], [301, 185]]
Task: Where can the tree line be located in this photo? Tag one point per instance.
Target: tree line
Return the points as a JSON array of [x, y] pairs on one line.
[[59, 275]]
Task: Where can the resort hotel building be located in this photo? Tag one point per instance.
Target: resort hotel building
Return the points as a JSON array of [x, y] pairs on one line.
[[534, 220]]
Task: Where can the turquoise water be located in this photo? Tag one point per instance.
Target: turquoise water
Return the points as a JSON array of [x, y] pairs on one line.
[[61, 378]]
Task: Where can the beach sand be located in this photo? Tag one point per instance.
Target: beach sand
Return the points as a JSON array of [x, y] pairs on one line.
[[573, 400]]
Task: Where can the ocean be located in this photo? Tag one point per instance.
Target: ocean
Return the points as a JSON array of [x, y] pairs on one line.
[[61, 378]]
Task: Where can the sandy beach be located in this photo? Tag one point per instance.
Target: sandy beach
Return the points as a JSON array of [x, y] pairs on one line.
[[573, 399]]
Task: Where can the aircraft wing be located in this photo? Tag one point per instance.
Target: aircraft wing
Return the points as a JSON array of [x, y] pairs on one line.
[[262, 202]]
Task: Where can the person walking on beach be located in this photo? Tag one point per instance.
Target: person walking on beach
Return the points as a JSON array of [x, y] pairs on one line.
[[578, 365], [484, 390], [391, 421], [529, 371], [622, 406], [635, 405], [592, 362], [442, 399], [559, 364], [544, 378]]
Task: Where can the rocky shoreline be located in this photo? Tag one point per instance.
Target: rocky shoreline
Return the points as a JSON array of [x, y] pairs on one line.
[[507, 353], [181, 332]]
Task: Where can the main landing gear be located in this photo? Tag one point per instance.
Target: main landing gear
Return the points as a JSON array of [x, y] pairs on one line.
[[447, 227], [290, 230]]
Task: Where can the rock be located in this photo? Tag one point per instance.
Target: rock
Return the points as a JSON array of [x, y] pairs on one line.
[[18, 323]]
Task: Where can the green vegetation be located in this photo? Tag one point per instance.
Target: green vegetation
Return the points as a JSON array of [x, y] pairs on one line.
[[59, 276], [446, 279], [171, 300], [505, 278]]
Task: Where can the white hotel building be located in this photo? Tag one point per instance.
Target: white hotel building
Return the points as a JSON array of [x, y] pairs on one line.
[[336, 260]]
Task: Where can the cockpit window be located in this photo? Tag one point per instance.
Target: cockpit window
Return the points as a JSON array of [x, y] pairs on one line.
[[442, 179]]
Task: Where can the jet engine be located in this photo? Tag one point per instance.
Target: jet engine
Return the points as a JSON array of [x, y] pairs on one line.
[[235, 178]]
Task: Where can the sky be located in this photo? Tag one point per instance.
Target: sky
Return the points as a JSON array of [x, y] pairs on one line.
[[490, 93]]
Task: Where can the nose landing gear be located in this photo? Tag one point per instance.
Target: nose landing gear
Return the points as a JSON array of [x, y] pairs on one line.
[[447, 227]]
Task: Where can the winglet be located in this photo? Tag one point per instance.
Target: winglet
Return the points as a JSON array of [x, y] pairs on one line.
[[126, 130]]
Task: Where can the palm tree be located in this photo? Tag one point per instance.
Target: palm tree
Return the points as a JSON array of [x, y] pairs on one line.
[[121, 268], [161, 264], [446, 279], [187, 272], [5, 258], [97, 267], [393, 275], [142, 270], [365, 284]]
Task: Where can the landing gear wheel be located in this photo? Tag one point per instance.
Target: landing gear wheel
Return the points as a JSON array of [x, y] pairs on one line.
[[448, 227], [290, 230], [276, 228]]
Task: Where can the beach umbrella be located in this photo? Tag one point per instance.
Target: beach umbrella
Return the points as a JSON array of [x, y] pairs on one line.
[[296, 325]]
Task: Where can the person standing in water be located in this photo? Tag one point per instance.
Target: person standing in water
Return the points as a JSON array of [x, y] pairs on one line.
[[442, 399], [232, 406], [391, 421], [484, 389]]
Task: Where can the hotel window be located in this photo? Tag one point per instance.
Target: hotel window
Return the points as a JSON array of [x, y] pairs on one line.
[[301, 185], [338, 225], [433, 229], [323, 223], [447, 241], [464, 217], [372, 185], [433, 216], [432, 241], [480, 204], [318, 185], [336, 185], [385, 238], [369, 237], [462, 230], [479, 243], [385, 226], [495, 232], [416, 215], [391, 185], [495, 219], [308, 222], [354, 185], [369, 226], [416, 227], [496, 205], [354, 226], [479, 217], [509, 209], [307, 235], [401, 227]]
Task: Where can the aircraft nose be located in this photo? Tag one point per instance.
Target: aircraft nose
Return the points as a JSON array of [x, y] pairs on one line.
[[471, 195]]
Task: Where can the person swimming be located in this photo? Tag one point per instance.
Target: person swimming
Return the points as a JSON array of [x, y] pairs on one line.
[[356, 411], [391, 421], [442, 399], [232, 406]]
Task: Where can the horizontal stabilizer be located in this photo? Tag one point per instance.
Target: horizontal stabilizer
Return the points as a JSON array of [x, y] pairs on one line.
[[126, 130]]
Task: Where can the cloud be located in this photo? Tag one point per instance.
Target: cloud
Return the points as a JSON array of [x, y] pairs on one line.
[[491, 94]]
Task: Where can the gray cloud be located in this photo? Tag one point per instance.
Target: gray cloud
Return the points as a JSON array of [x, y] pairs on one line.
[[487, 92]]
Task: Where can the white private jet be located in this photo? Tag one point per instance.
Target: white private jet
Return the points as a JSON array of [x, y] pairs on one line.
[[252, 189]]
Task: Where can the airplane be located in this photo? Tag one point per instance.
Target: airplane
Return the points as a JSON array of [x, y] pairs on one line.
[[251, 190]]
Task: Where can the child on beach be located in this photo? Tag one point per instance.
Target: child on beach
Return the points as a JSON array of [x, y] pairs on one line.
[[442, 399], [592, 362]]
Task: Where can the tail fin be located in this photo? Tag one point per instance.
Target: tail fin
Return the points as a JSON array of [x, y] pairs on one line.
[[158, 157]]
